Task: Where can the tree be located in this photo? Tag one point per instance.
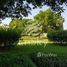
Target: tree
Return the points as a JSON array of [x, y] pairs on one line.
[[33, 28], [19, 24], [58, 36], [8, 37], [18, 8], [50, 20]]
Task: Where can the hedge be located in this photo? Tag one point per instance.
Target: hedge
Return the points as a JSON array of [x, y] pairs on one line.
[[8, 37], [58, 36]]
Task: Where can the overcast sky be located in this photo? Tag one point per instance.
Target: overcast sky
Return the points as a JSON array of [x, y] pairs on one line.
[[36, 11]]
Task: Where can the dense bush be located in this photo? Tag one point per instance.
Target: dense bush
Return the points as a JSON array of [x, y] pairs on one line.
[[15, 60], [8, 37], [58, 36], [49, 61]]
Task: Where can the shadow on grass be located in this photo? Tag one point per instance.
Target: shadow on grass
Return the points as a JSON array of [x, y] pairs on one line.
[[32, 48], [23, 48]]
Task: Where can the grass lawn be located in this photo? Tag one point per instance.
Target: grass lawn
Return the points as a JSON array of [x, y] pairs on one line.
[[19, 56], [46, 48]]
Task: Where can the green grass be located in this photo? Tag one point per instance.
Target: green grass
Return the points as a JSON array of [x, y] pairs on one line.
[[34, 48], [19, 56]]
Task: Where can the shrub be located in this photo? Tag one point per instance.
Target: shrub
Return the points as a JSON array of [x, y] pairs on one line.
[[15, 60], [49, 61], [58, 36], [8, 37]]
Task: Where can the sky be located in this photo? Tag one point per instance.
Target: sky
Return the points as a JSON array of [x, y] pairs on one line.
[[36, 11]]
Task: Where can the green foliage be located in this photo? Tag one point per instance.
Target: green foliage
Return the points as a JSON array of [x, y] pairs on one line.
[[49, 60], [20, 8], [19, 24], [15, 60], [8, 37], [50, 20], [16, 24], [33, 28], [26, 26], [21, 54], [45, 21], [58, 36]]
